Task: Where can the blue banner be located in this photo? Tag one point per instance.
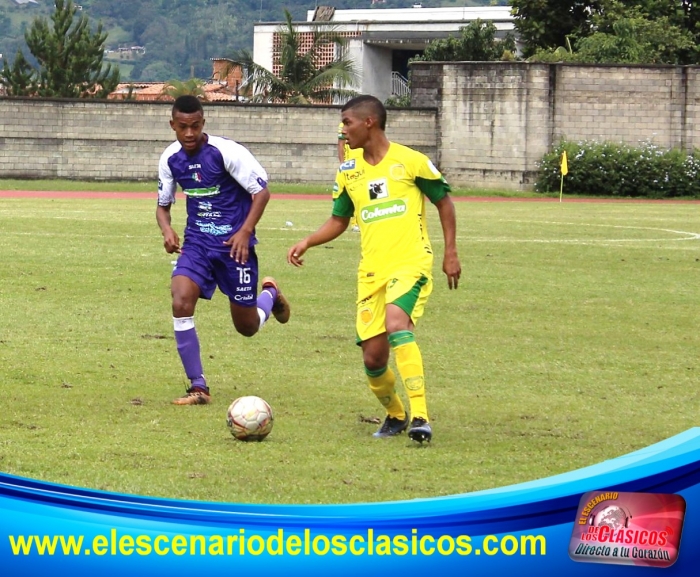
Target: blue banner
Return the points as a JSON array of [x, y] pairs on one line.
[[522, 529]]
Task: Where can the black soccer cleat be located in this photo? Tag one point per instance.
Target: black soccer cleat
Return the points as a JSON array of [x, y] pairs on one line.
[[420, 430], [391, 427]]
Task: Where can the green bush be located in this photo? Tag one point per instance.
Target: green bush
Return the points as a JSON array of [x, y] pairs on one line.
[[616, 169]]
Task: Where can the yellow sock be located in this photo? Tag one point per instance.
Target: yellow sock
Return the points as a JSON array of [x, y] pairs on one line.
[[382, 384], [410, 364]]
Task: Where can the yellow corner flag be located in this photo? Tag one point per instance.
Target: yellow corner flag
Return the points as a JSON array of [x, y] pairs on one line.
[[564, 172]]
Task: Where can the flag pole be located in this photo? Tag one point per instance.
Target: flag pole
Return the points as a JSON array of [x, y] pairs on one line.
[[561, 188]]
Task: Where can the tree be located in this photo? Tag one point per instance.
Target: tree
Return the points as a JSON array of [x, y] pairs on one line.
[[177, 88], [154, 71], [634, 40], [546, 24], [610, 31], [69, 56], [302, 78], [5, 24], [476, 42], [660, 31], [682, 13], [17, 78]]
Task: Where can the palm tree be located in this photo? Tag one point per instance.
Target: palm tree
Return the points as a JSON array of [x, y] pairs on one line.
[[302, 79], [193, 86]]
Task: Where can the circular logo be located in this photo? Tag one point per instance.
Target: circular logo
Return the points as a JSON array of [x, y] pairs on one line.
[[366, 316], [413, 383]]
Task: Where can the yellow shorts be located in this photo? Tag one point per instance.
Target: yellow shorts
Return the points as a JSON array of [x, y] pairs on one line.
[[407, 291]]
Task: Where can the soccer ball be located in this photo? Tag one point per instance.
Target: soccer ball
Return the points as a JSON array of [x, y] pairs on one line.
[[249, 418]]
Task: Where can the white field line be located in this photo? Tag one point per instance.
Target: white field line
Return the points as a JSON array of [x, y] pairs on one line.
[[682, 234], [350, 236]]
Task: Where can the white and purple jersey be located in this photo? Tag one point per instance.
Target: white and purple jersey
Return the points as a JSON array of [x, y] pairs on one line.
[[218, 181]]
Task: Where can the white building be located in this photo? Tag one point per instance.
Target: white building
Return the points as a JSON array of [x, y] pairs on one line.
[[381, 41]]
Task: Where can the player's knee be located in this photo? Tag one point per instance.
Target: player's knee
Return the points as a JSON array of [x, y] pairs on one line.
[[245, 328], [373, 361], [398, 323], [372, 365], [182, 307]]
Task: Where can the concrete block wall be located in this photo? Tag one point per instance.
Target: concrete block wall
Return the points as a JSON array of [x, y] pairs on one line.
[[494, 124], [123, 140], [496, 120], [621, 104], [483, 124]]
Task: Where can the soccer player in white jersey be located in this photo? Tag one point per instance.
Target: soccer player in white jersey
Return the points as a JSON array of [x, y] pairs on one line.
[[226, 193], [385, 188]]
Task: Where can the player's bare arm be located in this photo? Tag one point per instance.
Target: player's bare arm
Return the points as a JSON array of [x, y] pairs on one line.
[[329, 230], [240, 241], [448, 220], [171, 241]]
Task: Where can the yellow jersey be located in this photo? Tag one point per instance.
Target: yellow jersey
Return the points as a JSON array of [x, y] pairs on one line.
[[388, 201]]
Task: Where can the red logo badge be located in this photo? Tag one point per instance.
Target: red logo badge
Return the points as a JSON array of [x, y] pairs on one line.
[[642, 529]]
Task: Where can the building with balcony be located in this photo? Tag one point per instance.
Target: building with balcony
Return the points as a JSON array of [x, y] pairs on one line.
[[381, 41]]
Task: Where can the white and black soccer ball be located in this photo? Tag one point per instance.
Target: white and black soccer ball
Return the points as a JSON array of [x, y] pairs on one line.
[[250, 418]]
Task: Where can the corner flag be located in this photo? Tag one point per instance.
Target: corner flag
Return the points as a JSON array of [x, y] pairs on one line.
[[564, 172]]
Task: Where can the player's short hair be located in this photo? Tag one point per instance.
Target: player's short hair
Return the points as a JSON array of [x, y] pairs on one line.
[[370, 105], [187, 104]]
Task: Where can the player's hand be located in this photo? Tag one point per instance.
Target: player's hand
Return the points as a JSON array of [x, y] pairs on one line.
[[295, 253], [239, 243], [453, 270], [171, 241]]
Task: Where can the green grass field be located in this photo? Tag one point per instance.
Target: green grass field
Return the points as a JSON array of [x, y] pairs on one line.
[[277, 188], [571, 340]]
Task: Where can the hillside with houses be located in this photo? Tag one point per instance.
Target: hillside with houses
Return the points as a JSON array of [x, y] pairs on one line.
[[156, 40]]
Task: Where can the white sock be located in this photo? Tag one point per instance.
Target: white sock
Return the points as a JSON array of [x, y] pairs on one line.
[[183, 323]]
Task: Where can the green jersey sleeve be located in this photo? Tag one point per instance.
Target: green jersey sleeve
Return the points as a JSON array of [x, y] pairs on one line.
[[342, 205], [429, 180]]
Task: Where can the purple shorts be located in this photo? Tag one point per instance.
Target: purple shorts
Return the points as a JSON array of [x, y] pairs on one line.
[[209, 269]]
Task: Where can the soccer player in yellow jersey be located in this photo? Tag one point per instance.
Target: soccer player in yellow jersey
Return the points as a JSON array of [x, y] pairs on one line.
[[385, 188]]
